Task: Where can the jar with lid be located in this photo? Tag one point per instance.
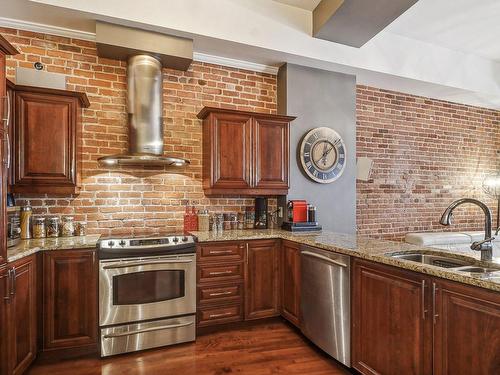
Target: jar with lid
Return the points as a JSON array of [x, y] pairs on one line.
[[39, 227], [203, 220], [68, 226], [227, 221], [26, 217], [241, 220], [234, 221], [81, 228], [249, 217], [53, 227]]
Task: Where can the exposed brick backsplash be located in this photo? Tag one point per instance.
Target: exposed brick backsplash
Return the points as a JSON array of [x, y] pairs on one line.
[[426, 154], [139, 200]]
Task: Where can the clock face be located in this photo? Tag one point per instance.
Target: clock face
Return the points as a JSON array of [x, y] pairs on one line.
[[323, 155]]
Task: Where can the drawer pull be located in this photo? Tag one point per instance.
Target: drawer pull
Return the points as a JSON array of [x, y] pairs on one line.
[[216, 252], [215, 294], [212, 316], [216, 273]]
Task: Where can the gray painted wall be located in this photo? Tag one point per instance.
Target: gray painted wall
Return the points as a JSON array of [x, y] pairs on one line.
[[322, 98]]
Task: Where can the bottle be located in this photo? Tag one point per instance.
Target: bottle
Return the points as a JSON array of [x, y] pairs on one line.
[[26, 213], [187, 219], [194, 219]]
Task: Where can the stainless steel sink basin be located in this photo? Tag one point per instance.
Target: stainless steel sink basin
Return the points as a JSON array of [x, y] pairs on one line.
[[434, 260]]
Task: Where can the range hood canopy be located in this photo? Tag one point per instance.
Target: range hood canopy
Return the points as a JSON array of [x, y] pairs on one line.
[[144, 90]]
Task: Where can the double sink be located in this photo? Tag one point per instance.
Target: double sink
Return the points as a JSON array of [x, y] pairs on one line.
[[461, 265]]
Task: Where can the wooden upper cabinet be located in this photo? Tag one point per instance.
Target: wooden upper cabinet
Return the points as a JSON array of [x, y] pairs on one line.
[[47, 128], [245, 153], [391, 320], [467, 330]]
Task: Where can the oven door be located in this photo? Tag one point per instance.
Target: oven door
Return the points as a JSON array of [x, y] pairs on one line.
[[137, 289]]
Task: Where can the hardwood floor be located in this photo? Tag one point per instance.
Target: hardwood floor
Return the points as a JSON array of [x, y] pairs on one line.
[[271, 347]]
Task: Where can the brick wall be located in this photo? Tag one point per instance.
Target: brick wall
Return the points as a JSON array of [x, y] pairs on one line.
[[426, 154], [115, 201]]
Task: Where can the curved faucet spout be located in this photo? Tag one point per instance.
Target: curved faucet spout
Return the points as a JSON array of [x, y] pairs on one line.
[[484, 246]]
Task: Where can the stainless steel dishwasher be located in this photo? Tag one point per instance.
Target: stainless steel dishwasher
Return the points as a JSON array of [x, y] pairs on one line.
[[325, 301]]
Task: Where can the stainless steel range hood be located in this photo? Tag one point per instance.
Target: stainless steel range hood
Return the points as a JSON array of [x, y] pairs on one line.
[[144, 102]]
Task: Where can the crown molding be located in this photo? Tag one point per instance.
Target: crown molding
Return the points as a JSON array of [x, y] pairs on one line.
[[85, 35]]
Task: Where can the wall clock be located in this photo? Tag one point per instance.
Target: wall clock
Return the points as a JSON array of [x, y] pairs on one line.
[[323, 155]]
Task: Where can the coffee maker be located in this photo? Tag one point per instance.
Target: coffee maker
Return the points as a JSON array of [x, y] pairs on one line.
[[261, 219]]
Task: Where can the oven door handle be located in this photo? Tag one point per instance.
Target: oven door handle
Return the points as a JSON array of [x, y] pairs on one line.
[[170, 326], [146, 263]]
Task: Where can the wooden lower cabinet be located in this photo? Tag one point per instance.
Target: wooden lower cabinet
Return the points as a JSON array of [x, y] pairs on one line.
[[4, 295], [467, 330], [262, 279], [21, 315], [391, 320], [290, 282], [70, 300]]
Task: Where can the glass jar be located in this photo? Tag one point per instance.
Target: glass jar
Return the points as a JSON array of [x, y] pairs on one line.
[[39, 227], [68, 226], [53, 227], [249, 217], [203, 220], [227, 221], [241, 220], [81, 228], [234, 221]]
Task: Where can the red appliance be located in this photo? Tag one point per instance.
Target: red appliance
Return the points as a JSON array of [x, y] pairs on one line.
[[297, 211]]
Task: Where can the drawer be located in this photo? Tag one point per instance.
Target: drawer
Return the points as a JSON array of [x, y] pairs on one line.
[[220, 293], [232, 252], [220, 272], [217, 315]]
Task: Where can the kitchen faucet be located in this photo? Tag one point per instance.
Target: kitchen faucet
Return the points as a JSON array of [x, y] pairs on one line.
[[484, 246]]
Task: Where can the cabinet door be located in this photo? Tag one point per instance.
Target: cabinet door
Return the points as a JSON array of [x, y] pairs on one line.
[[45, 143], [467, 330], [22, 316], [4, 305], [3, 156], [391, 321], [261, 280], [290, 282], [271, 154], [232, 151], [69, 299]]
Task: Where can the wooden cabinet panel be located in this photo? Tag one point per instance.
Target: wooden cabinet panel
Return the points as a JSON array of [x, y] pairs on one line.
[[46, 157], [262, 279], [69, 299], [391, 320], [290, 282], [244, 153], [4, 295], [220, 272], [21, 315], [467, 330], [3, 160], [221, 252], [220, 293], [220, 314], [271, 145]]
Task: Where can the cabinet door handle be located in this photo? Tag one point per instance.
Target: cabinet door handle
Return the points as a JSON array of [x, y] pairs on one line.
[[424, 310], [7, 286], [219, 315], [13, 282], [215, 273], [216, 294], [7, 142], [6, 118], [435, 315]]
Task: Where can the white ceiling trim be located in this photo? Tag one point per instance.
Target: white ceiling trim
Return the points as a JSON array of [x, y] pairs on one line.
[[85, 35]]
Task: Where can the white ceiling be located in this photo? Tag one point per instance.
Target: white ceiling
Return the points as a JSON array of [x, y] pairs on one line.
[[303, 4], [470, 26]]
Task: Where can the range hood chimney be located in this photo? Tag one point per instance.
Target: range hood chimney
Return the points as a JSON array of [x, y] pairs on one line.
[[144, 88]]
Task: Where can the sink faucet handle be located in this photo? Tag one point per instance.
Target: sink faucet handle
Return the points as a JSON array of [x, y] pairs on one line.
[[478, 245]]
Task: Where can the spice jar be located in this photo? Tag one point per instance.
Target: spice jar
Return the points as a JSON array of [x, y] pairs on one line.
[[39, 227], [81, 228], [234, 221], [227, 221], [203, 220], [68, 226], [241, 220], [250, 217], [53, 227]]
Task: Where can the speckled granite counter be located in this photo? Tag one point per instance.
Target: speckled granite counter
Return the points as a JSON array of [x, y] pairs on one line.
[[366, 248], [28, 247]]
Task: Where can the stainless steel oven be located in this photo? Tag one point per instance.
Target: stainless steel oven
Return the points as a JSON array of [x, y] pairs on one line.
[[146, 301]]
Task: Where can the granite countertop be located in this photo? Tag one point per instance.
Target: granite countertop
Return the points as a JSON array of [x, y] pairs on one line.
[[368, 248], [28, 247]]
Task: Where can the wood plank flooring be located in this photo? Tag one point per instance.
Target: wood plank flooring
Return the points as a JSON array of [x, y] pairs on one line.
[[271, 347]]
